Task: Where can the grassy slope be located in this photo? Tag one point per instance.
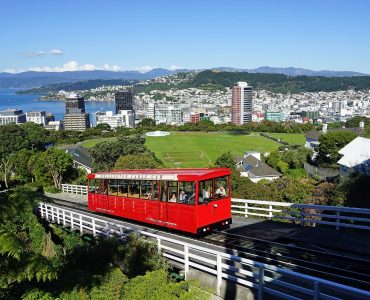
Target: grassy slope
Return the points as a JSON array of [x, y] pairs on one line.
[[201, 149], [291, 138]]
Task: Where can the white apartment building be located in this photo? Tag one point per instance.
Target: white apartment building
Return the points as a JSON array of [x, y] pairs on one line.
[[168, 114], [9, 116], [124, 118], [38, 117]]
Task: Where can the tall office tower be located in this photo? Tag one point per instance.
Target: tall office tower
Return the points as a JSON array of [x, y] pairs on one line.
[[76, 118], [241, 103], [75, 104], [124, 100]]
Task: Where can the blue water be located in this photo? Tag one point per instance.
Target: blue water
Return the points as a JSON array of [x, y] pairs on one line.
[[9, 99]]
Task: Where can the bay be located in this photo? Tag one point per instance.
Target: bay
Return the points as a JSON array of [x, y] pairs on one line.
[[9, 99]]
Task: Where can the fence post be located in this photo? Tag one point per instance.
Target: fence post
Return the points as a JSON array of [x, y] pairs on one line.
[[316, 292], [302, 215], [219, 273], [42, 209], [64, 217], [71, 216], [186, 259], [246, 209], [58, 218], [261, 274], [159, 245], [270, 212], [337, 221], [93, 226], [81, 229]]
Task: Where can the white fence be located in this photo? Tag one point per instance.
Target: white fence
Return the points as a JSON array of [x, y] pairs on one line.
[[74, 189], [337, 216], [264, 279]]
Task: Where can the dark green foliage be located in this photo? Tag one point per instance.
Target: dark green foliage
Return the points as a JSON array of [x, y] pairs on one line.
[[226, 160], [355, 122], [155, 286], [132, 161], [103, 127], [356, 190], [330, 144], [137, 256], [105, 154], [146, 122], [26, 252]]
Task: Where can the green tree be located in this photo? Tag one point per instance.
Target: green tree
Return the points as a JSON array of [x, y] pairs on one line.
[[330, 144], [12, 139], [103, 127], [57, 163], [133, 161], [146, 122], [7, 165], [36, 135], [354, 122], [226, 160], [137, 256]]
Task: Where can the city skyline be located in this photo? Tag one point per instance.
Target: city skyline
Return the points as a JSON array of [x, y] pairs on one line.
[[90, 35]]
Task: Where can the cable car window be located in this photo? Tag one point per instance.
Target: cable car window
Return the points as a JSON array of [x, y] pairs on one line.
[[163, 191], [92, 186], [105, 192], [222, 187], [155, 191], [205, 191], [146, 189], [122, 187], [173, 191], [113, 187], [186, 192], [134, 189]]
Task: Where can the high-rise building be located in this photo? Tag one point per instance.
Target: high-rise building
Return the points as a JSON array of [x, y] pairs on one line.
[[124, 100], [76, 118], [75, 104], [241, 103]]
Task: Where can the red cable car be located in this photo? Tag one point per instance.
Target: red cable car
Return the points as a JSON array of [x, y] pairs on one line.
[[191, 200]]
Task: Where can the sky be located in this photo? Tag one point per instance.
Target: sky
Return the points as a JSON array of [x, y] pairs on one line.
[[115, 35]]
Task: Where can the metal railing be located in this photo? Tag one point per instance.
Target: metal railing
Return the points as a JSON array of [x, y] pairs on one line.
[[74, 189], [337, 216], [264, 279]]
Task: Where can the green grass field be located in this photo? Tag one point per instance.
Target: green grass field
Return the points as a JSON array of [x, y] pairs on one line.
[[93, 142], [197, 149], [291, 138]]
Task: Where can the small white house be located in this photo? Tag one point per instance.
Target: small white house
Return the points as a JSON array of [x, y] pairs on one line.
[[255, 169], [356, 157]]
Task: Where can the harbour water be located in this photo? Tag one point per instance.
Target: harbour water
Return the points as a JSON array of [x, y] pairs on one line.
[[9, 99]]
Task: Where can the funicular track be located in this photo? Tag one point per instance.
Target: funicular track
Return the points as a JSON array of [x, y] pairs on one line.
[[343, 269]]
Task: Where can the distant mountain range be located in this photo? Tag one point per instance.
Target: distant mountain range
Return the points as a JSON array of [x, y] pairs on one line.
[[33, 79]]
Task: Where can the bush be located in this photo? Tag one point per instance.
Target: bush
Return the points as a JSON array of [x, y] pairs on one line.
[[52, 189]]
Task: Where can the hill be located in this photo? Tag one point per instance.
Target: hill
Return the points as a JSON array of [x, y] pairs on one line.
[[31, 79]]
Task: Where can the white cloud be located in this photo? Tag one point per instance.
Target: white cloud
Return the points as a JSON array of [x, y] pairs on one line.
[[114, 68], [173, 68], [144, 69], [68, 67], [52, 52]]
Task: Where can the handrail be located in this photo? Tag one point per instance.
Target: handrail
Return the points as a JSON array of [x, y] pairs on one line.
[[338, 216], [267, 279], [295, 212]]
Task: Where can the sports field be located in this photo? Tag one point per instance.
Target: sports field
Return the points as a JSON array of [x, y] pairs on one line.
[[93, 142], [291, 138], [198, 149]]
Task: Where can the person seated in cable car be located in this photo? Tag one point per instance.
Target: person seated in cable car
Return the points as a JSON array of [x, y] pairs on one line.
[[221, 192], [182, 197], [173, 198]]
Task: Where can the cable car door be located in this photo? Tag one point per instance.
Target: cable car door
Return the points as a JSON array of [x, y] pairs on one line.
[[162, 204], [104, 204]]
